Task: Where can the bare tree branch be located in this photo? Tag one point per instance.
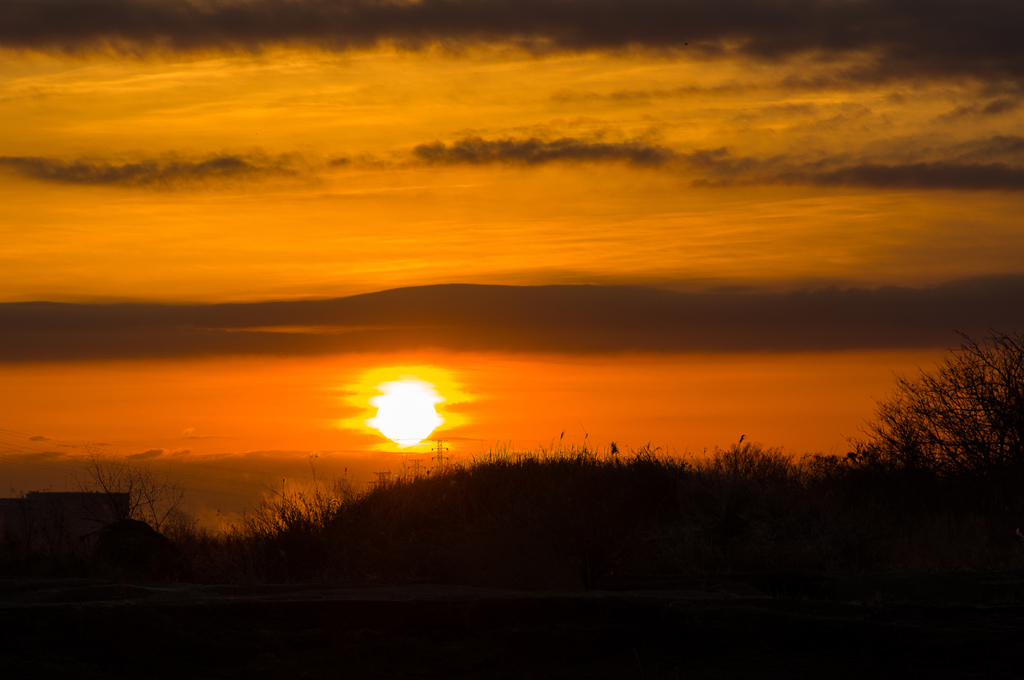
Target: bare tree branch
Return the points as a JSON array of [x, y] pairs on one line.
[[966, 418], [152, 498]]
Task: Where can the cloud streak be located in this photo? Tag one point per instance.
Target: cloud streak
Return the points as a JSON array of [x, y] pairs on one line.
[[533, 151], [994, 164], [566, 319], [896, 38], [165, 173], [719, 168], [995, 107]]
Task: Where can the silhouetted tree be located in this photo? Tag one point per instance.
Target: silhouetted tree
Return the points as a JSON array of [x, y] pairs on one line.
[[965, 419], [152, 498]]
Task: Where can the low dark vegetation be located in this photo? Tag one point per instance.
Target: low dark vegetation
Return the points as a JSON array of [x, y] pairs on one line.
[[573, 518]]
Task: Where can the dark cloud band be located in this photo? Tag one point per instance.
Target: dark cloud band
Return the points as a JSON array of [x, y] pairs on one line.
[[961, 176], [995, 163], [720, 169], [567, 319], [478, 151], [717, 167], [901, 38], [147, 173]]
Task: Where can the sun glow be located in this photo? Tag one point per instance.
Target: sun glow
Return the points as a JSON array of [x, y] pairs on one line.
[[380, 399], [405, 410]]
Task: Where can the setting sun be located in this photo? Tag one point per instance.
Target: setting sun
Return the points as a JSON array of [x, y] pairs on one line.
[[405, 410]]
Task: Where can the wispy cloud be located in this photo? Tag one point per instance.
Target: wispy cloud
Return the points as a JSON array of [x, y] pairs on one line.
[[993, 107], [892, 38], [992, 163], [190, 433], [719, 168], [1007, 148], [569, 319], [964, 168], [533, 151], [567, 95], [940, 175], [159, 173]]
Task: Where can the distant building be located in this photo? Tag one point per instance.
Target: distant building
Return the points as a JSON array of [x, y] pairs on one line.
[[59, 522]]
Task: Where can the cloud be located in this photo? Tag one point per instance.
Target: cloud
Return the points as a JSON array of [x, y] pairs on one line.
[[163, 173], [149, 454], [994, 107], [893, 38], [533, 151], [567, 95], [569, 319], [994, 163], [718, 167], [996, 148], [173, 173], [942, 175], [997, 106], [966, 171], [35, 457], [190, 433]]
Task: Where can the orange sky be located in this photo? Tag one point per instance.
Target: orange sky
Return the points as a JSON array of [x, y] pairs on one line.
[[158, 152], [292, 224], [230, 426]]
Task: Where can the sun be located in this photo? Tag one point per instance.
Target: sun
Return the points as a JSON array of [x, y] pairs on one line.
[[397, 403], [405, 410]]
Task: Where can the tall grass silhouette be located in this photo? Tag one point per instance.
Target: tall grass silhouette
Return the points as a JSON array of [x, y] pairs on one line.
[[574, 517]]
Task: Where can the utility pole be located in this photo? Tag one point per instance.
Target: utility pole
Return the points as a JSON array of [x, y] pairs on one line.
[[440, 458]]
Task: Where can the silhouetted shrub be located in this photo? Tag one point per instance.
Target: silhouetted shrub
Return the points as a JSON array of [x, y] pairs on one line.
[[575, 518], [963, 420]]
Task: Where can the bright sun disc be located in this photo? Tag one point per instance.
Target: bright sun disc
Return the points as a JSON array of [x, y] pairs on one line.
[[405, 411]]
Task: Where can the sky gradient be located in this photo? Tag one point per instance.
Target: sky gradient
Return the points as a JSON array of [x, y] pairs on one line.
[[597, 216]]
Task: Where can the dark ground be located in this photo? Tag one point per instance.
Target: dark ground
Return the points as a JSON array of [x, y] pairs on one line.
[[753, 626]]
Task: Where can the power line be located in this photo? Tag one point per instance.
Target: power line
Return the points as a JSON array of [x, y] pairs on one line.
[[71, 463], [107, 447], [168, 463], [161, 462], [35, 465]]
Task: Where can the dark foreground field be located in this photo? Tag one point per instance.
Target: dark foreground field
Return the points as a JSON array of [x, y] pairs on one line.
[[564, 564], [751, 626]]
